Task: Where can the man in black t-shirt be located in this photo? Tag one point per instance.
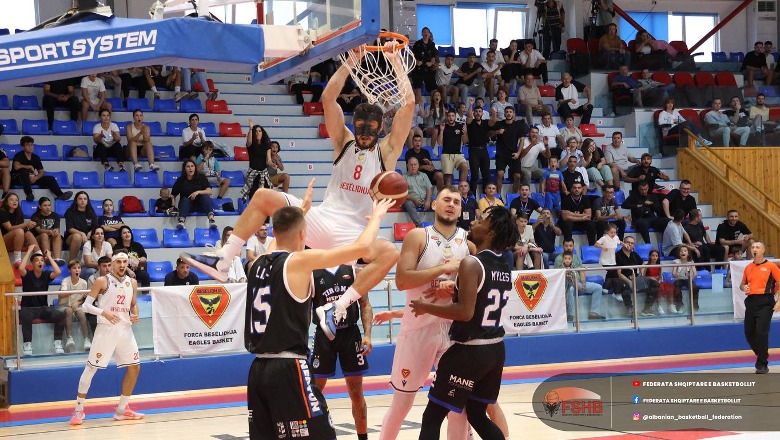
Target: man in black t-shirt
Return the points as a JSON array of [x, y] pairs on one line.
[[181, 276], [646, 211], [28, 171], [423, 156], [701, 238], [620, 281], [479, 159], [645, 172], [754, 65], [508, 134], [524, 203], [571, 176], [37, 307], [60, 93], [452, 135], [679, 199], [427, 57], [469, 71], [576, 214], [734, 236]]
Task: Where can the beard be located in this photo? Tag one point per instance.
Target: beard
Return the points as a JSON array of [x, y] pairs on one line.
[[445, 221]]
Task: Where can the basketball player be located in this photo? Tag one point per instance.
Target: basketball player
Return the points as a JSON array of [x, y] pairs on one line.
[[469, 373], [113, 336], [342, 214], [283, 402], [349, 347]]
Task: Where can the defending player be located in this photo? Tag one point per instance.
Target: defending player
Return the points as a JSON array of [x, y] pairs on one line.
[[283, 402], [349, 347], [342, 214], [469, 373], [113, 336]]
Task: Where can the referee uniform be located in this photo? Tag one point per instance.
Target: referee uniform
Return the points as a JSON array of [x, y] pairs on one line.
[[762, 281]]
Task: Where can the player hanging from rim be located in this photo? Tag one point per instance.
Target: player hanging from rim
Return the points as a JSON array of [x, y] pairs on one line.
[[349, 347], [281, 398], [341, 216], [113, 336], [469, 373]]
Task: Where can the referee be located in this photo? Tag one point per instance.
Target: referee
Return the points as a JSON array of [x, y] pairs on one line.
[[760, 283]]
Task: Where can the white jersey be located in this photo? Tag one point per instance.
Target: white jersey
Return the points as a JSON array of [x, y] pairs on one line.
[[437, 250], [348, 193], [117, 299]]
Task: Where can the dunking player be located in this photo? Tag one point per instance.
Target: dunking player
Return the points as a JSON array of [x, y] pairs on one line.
[[349, 347], [283, 403], [113, 336], [341, 216], [469, 373]]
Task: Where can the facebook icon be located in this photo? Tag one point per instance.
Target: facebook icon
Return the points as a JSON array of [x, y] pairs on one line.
[[636, 399]]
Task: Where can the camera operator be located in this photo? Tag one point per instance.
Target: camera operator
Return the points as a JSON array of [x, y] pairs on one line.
[[553, 19]]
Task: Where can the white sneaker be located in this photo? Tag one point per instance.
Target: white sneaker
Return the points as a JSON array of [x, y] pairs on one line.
[[672, 309], [87, 344], [661, 310], [58, 347], [70, 344], [27, 349]]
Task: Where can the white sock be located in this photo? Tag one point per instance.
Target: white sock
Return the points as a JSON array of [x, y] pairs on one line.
[[154, 89], [80, 403], [232, 248], [17, 256], [346, 300], [123, 401], [177, 89]]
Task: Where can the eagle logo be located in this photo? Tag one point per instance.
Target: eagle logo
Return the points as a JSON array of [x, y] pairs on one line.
[[209, 303], [530, 288], [551, 403]]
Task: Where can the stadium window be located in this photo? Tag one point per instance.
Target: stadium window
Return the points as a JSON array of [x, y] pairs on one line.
[[22, 15], [675, 27], [438, 19], [477, 23]]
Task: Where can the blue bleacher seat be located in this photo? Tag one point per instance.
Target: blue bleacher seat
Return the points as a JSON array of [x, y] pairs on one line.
[[426, 224], [446, 50], [191, 106], [510, 197], [463, 52], [176, 238], [26, 102], [432, 152], [719, 57], [4, 105], [122, 127], [350, 127], [590, 254], [64, 273], [201, 276], [241, 205], [209, 129], [87, 127], [165, 153], [67, 153], [704, 279], [61, 177], [667, 277], [147, 238], [236, 177], [35, 126], [491, 151], [97, 205], [769, 91], [169, 178], [165, 106], [204, 236], [538, 198], [138, 103], [155, 128], [146, 179], [737, 57], [175, 128], [5, 31], [116, 179], [60, 206], [65, 128], [620, 197], [217, 205], [47, 152], [11, 150], [158, 269], [598, 279], [131, 214], [10, 126], [28, 208], [643, 250], [116, 105]]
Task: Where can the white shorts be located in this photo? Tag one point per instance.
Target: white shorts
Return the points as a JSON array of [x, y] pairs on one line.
[[325, 230], [451, 162], [113, 340], [416, 352]]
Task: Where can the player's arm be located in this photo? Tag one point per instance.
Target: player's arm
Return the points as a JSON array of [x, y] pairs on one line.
[[382, 317], [134, 303], [469, 278], [407, 275], [394, 142], [334, 115], [100, 286], [367, 317]]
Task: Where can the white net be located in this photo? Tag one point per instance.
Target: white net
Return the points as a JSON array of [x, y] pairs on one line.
[[375, 75]]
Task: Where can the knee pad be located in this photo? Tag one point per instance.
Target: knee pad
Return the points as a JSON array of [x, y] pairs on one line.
[[86, 378]]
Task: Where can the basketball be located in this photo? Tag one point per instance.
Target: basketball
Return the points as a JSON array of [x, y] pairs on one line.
[[389, 185]]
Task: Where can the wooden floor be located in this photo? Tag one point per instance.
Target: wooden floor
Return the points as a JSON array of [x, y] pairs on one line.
[[227, 420]]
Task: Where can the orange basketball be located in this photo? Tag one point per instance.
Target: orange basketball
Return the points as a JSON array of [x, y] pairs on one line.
[[389, 185]]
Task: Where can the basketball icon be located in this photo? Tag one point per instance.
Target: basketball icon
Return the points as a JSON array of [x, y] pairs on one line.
[[389, 185]]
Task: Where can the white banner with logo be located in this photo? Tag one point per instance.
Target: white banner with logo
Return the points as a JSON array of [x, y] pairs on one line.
[[738, 296], [537, 303], [198, 319]]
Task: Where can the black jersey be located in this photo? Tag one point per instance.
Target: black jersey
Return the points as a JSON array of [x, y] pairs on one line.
[[492, 296], [276, 321], [329, 285]]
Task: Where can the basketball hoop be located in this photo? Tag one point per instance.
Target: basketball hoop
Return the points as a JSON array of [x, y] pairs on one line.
[[375, 75]]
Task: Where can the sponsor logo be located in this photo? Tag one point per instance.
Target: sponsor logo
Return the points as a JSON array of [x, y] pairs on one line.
[[299, 428], [459, 241], [451, 393], [281, 430], [316, 362], [459, 382], [572, 401], [346, 276], [530, 288], [209, 303], [405, 374], [313, 402]]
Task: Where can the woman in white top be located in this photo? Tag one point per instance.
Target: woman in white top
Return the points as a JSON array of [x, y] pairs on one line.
[[108, 141], [569, 130], [192, 139], [671, 122], [139, 138], [93, 249]]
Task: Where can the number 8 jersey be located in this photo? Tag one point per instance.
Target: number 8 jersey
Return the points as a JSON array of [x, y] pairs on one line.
[[286, 330], [348, 193]]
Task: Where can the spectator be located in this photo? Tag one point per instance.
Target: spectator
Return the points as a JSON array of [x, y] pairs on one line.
[[576, 214], [187, 83], [302, 82], [620, 280], [111, 223], [139, 140], [738, 116], [654, 259], [567, 131], [618, 159], [469, 209], [181, 276], [164, 205], [460, 115], [134, 77], [452, 136], [16, 231], [208, 165], [275, 165], [607, 212], [195, 193], [436, 114], [160, 76], [680, 198], [650, 93], [598, 172], [675, 238], [527, 253], [70, 304], [759, 114], [80, 218], [613, 50], [5, 172], [624, 84], [604, 15], [646, 211], [490, 198], [524, 203], [37, 306], [608, 243], [734, 236], [684, 273], [719, 125], [708, 250], [532, 61], [236, 273], [28, 170], [553, 24], [47, 229], [492, 45], [770, 56], [530, 149], [60, 93], [444, 79], [754, 65], [350, 97], [258, 143], [108, 142], [577, 277], [545, 233], [512, 68], [549, 133], [671, 122], [93, 249], [192, 138], [491, 75], [420, 190], [257, 244], [552, 180], [93, 94], [479, 159], [426, 162], [568, 245], [136, 256], [571, 176], [470, 81], [500, 104], [649, 53], [572, 150], [426, 55], [530, 99], [567, 96], [645, 172]]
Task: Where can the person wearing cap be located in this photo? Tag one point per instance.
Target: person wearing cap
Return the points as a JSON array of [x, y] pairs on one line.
[[181, 276], [37, 306]]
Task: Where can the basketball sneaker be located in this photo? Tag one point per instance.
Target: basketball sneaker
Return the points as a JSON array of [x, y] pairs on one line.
[[27, 349], [330, 316], [128, 414], [70, 345], [210, 263], [77, 418], [87, 344]]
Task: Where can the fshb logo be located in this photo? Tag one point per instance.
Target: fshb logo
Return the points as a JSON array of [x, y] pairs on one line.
[[572, 401]]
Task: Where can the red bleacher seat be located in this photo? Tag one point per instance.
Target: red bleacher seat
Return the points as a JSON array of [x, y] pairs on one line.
[[692, 116], [313, 108], [725, 79], [324, 131], [636, 75], [683, 79], [774, 114], [662, 77], [576, 45], [547, 91], [590, 130], [240, 153], [218, 107], [230, 129], [704, 79], [198, 87], [401, 229]]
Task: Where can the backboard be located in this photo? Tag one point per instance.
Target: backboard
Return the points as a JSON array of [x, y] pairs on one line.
[[334, 26]]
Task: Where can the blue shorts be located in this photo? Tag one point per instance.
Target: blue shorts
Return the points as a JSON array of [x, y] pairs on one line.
[[552, 201]]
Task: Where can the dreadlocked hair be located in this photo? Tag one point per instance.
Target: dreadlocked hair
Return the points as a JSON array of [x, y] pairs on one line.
[[504, 227]]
